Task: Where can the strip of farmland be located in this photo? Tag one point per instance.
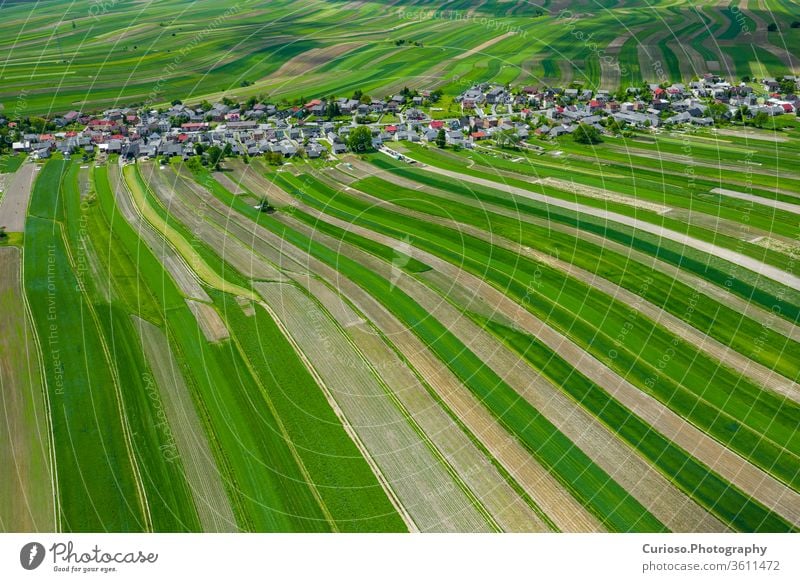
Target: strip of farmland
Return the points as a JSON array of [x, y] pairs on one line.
[[497, 301], [27, 494]]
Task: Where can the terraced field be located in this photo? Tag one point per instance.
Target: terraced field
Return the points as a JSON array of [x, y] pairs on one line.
[[91, 55]]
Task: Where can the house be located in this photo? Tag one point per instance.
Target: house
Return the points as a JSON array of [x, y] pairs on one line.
[[496, 95], [430, 135], [314, 150], [637, 119], [455, 138], [478, 135]]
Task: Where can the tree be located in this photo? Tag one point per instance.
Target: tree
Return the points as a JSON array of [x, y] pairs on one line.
[[717, 111], [773, 27], [760, 119], [360, 140], [199, 149], [441, 138], [586, 134], [795, 24], [215, 156], [741, 113], [265, 206], [3, 233], [332, 110], [194, 164], [507, 138], [788, 86], [274, 158]]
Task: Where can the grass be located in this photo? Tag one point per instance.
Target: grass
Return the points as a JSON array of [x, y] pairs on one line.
[[167, 490], [724, 408], [748, 285], [233, 52], [612, 505], [10, 164], [26, 486], [345, 482], [730, 505], [206, 264], [266, 487], [701, 311], [98, 492]]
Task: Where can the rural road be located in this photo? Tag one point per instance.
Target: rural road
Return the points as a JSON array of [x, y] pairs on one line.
[[777, 204], [14, 205], [750, 263]]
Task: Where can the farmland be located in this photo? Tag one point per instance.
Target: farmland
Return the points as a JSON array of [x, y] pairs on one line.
[[438, 329], [88, 55]]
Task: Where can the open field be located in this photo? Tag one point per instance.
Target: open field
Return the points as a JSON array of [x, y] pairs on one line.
[[228, 335], [27, 494], [152, 54]]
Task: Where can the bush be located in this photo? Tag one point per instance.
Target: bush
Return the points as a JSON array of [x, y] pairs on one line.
[[360, 140], [772, 27], [586, 134]]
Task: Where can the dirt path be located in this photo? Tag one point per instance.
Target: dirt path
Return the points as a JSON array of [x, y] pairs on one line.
[[27, 495], [763, 269], [14, 204], [202, 474], [483, 46], [777, 204]]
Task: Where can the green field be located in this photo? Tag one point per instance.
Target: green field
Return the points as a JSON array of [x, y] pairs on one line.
[[549, 337], [98, 56]]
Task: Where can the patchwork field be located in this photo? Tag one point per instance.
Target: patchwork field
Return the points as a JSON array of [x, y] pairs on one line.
[[90, 55], [556, 337]]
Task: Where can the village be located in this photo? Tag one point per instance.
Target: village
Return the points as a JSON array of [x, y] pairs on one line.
[[321, 128]]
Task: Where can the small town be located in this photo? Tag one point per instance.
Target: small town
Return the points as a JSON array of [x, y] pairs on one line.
[[323, 127]]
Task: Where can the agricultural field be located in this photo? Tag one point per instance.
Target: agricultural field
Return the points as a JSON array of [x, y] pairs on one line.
[[88, 55], [546, 336]]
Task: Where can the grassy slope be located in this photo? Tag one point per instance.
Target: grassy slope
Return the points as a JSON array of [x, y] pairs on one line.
[[343, 479], [710, 491], [592, 486], [586, 315], [168, 494], [97, 486]]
